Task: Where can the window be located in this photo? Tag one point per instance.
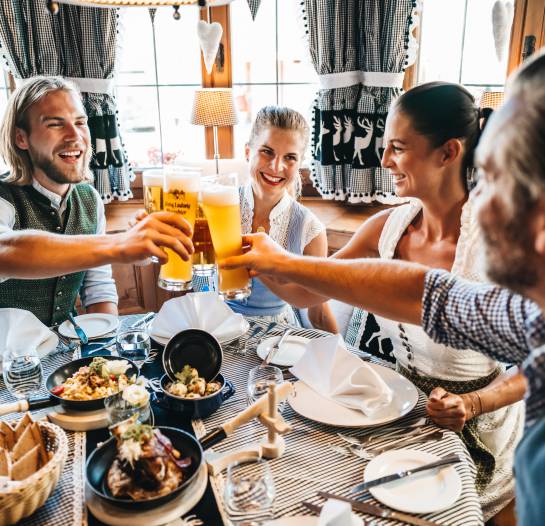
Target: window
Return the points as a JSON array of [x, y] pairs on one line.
[[158, 71], [3, 100], [271, 64], [460, 44], [160, 67]]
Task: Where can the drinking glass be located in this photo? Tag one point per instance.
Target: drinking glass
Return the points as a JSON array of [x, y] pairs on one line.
[[22, 371], [180, 196], [221, 206], [152, 181], [259, 379], [119, 409], [249, 492], [204, 258], [134, 345]]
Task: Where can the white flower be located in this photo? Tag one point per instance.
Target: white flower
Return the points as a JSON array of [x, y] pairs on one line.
[[117, 367], [135, 394]]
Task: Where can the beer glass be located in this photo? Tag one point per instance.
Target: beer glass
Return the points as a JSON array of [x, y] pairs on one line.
[[152, 181], [221, 205], [204, 259], [180, 195]]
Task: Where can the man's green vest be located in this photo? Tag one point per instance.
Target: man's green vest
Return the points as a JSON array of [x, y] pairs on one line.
[[50, 300]]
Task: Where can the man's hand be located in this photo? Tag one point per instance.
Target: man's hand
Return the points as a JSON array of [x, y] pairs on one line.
[[263, 257], [150, 235], [138, 216], [449, 410]]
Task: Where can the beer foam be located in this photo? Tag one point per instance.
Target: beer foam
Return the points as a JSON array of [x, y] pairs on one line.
[[152, 178], [186, 181], [220, 195]]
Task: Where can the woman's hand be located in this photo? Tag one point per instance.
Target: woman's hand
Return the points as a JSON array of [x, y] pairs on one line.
[[450, 410], [137, 217]]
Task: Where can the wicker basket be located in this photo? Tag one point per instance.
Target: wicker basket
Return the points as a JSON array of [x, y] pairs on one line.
[[24, 498]]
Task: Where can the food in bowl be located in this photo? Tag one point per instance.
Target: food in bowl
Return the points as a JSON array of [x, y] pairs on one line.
[[190, 385], [22, 450], [99, 379], [146, 465]]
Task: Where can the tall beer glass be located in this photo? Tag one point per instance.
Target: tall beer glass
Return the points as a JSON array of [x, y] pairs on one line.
[[152, 181], [204, 258], [221, 205], [180, 195]]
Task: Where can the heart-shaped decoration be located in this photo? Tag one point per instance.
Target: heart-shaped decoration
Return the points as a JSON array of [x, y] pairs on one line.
[[209, 38], [502, 16]]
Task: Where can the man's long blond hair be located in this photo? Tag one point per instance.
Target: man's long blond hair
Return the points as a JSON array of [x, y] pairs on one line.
[[16, 116]]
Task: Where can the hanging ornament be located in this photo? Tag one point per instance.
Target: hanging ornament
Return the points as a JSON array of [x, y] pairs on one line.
[[209, 38], [502, 16], [254, 6]]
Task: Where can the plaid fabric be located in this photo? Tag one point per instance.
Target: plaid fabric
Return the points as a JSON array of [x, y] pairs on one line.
[[254, 6], [491, 320], [77, 42], [348, 122]]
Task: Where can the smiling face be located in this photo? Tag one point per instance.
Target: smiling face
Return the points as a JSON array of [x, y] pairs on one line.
[[58, 139], [410, 157], [275, 156]]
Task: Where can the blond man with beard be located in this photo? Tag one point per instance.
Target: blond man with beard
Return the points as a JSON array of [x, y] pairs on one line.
[[52, 223], [508, 327]]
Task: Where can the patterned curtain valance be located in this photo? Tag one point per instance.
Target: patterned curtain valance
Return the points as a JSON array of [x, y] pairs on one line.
[[78, 43], [360, 49]]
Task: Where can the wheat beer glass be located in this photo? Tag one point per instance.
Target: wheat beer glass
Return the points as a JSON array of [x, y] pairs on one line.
[[204, 258], [152, 181], [180, 195], [221, 206]]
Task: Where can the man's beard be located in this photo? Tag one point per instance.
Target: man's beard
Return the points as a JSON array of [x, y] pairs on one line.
[[71, 174], [509, 252]]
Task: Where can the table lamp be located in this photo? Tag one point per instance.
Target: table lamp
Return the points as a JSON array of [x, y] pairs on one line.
[[214, 107]]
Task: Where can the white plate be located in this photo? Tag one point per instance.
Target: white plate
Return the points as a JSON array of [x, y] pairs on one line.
[[94, 325], [306, 520], [163, 340], [311, 405], [288, 354], [426, 492]]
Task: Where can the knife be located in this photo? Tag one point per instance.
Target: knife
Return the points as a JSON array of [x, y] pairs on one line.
[[79, 331], [445, 461], [377, 511], [276, 347]]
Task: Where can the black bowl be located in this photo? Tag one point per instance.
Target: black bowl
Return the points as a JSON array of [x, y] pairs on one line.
[[102, 457], [60, 375], [193, 347], [195, 407]]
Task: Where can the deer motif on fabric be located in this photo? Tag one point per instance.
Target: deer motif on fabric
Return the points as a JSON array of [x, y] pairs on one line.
[[362, 143], [323, 131], [379, 139], [337, 135]]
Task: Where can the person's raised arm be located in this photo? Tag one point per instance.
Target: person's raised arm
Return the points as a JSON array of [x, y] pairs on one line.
[[33, 254]]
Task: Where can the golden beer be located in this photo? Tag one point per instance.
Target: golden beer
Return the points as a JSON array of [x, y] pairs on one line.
[[222, 209], [204, 259], [180, 195], [152, 181]]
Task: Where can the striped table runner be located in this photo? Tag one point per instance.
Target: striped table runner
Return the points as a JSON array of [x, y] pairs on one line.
[[309, 464]]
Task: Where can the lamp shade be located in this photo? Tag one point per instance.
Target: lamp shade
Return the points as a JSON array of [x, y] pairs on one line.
[[491, 99], [214, 107], [141, 3]]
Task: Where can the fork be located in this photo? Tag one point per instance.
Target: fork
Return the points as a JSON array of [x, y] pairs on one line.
[[368, 454]]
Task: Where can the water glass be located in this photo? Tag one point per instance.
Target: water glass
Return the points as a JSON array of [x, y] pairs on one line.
[[259, 379], [249, 492], [119, 409], [134, 345], [22, 371]]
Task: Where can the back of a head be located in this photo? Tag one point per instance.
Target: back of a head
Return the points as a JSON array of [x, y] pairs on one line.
[[16, 116], [441, 111], [515, 143]]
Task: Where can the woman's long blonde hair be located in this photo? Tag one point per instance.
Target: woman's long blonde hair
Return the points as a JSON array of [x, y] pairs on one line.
[[284, 119], [16, 116]]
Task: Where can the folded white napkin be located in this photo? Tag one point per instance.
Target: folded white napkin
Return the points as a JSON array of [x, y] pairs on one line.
[[335, 513], [334, 372], [20, 330], [199, 310]]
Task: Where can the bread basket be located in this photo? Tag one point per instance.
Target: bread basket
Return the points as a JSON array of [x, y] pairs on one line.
[[23, 498]]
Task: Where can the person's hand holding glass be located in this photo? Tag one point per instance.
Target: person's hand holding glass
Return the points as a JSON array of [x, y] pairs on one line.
[[220, 201]]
